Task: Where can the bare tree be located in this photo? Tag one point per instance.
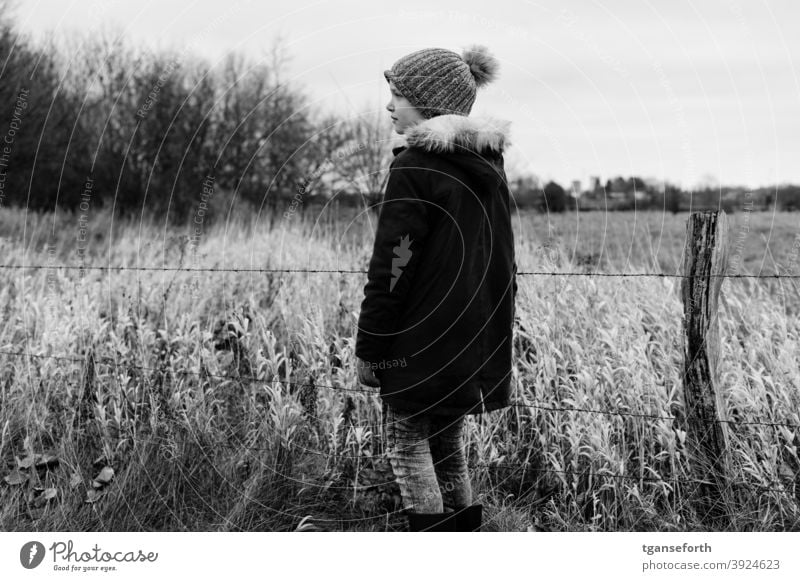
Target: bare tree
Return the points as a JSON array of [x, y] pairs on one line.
[[261, 125], [370, 153], [355, 154]]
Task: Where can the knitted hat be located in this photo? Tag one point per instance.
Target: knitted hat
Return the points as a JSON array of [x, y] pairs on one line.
[[437, 81]]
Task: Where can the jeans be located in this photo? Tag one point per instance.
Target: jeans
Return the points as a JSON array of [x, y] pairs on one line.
[[427, 456]]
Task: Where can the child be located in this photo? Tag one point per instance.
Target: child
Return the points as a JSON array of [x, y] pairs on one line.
[[434, 331]]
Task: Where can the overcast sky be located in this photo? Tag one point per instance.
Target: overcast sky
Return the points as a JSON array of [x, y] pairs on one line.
[[679, 90]]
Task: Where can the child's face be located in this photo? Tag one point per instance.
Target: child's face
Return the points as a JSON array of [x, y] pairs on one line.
[[404, 114]]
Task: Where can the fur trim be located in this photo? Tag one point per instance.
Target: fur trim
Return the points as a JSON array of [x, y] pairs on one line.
[[453, 133], [482, 64]]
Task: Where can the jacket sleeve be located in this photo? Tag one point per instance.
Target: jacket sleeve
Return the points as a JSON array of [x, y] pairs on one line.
[[514, 270], [399, 244], [514, 295], [515, 280]]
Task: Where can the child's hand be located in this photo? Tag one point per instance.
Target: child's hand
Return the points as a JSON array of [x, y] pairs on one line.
[[366, 375]]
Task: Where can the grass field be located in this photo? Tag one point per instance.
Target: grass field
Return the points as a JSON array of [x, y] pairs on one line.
[[164, 400]]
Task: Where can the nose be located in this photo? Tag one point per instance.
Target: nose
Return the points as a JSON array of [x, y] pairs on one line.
[[390, 107]]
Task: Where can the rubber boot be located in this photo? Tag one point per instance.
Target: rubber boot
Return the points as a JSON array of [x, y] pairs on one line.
[[431, 522], [469, 519]]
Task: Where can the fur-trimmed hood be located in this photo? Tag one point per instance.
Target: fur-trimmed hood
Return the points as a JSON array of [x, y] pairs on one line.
[[475, 144], [457, 134]]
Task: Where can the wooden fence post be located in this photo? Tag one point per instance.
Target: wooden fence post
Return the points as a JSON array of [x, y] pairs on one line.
[[706, 436]]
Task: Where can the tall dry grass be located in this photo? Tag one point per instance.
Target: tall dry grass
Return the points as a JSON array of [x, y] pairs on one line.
[[222, 400]]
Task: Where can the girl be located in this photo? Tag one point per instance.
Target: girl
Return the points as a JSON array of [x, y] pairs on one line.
[[441, 284]]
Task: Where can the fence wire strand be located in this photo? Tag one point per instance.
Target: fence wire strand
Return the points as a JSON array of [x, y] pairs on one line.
[[354, 271]]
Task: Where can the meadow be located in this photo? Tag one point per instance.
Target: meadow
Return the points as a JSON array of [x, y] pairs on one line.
[[136, 396]]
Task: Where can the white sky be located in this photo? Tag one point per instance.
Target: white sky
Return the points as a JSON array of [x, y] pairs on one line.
[[679, 90]]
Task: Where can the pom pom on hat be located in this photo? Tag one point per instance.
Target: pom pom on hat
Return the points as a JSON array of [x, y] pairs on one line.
[[482, 64]]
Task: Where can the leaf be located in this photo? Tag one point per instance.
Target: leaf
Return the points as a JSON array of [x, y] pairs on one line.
[[75, 480], [93, 496], [43, 496], [26, 463], [47, 461], [28, 446], [105, 476], [16, 477], [786, 472], [226, 360]]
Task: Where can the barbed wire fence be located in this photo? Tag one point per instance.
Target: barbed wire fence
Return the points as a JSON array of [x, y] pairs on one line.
[[547, 407], [354, 271]]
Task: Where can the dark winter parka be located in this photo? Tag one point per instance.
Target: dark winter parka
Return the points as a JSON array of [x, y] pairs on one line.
[[436, 319]]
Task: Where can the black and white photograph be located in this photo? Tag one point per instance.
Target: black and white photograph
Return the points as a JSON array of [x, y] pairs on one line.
[[517, 267]]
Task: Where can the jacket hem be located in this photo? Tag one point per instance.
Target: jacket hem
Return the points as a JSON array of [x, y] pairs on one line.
[[437, 410]]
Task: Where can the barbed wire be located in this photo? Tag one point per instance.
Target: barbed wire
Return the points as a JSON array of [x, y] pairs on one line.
[[593, 411], [353, 271], [375, 392]]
